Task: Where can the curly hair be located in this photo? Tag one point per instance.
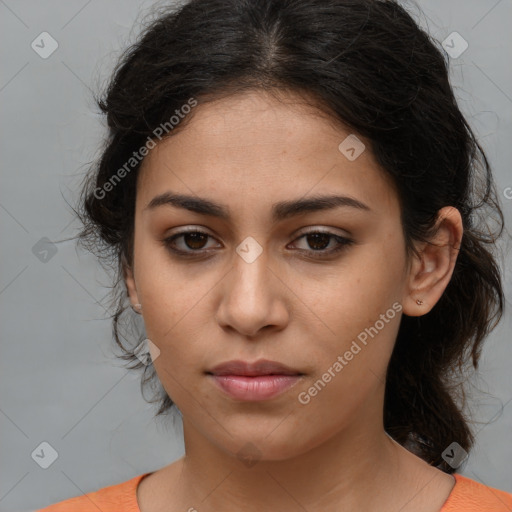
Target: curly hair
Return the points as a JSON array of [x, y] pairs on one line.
[[368, 65]]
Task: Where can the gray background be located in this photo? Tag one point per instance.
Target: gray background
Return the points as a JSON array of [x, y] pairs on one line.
[[61, 382]]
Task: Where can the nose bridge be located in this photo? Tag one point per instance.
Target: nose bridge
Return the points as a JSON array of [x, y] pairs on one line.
[[251, 269], [249, 301]]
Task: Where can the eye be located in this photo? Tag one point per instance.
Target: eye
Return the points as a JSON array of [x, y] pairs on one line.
[[194, 243], [319, 241]]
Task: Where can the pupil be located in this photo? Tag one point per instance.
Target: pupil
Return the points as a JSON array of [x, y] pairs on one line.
[[316, 238], [317, 241], [197, 238]]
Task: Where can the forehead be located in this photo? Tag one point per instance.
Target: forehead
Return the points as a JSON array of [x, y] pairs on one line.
[[254, 148]]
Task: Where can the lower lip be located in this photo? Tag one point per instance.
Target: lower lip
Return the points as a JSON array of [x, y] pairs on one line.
[[262, 387]]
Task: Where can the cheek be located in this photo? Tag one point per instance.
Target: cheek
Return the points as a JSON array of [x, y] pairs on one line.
[[362, 311], [165, 291], [349, 375], [364, 288], [174, 313]]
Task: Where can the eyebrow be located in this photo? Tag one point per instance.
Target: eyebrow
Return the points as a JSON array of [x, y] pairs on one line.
[[280, 211]]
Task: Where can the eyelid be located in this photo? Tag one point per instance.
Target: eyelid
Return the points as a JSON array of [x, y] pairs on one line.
[[322, 229], [195, 228], [303, 231], [343, 242], [171, 237]]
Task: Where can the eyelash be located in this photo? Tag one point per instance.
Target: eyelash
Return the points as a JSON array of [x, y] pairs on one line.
[[343, 243]]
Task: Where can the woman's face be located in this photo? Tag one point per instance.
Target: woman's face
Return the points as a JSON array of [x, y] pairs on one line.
[[254, 287]]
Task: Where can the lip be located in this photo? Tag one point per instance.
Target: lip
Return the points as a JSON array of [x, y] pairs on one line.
[[257, 368], [252, 389], [261, 380]]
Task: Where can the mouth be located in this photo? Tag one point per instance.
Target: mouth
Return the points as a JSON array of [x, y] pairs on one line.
[[258, 368], [261, 380]]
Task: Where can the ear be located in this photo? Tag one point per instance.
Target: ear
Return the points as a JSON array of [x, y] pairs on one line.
[[131, 287], [431, 272]]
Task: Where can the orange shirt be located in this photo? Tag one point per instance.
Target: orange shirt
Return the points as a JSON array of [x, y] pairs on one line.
[[467, 496]]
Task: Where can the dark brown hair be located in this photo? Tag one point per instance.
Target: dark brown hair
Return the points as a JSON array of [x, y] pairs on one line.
[[369, 65]]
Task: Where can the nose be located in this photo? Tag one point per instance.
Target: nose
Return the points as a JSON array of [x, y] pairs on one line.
[[253, 298]]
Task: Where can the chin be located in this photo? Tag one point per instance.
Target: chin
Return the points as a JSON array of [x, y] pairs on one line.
[[251, 446]]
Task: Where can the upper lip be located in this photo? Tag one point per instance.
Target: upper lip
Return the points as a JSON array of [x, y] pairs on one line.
[[260, 367]]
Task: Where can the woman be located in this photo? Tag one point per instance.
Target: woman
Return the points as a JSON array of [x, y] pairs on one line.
[[290, 194]]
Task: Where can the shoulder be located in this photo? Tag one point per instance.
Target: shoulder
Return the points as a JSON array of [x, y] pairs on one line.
[[471, 496], [122, 496]]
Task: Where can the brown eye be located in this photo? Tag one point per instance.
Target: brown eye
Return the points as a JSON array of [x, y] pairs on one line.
[[193, 243], [318, 243], [195, 240], [187, 243]]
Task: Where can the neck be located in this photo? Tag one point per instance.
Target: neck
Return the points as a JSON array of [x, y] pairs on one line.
[[353, 470]]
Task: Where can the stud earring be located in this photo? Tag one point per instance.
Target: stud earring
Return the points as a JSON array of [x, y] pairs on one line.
[[419, 302]]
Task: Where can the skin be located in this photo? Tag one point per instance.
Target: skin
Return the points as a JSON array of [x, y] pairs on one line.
[[248, 152]]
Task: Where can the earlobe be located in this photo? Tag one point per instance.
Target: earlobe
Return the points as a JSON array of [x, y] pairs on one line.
[[432, 269]]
